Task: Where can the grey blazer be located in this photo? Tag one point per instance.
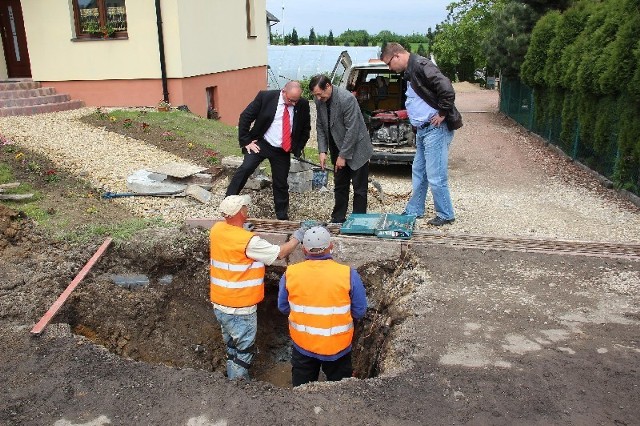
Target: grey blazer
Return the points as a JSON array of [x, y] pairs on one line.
[[347, 128]]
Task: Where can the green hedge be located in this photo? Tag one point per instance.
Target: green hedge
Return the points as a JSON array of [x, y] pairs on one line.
[[584, 66]]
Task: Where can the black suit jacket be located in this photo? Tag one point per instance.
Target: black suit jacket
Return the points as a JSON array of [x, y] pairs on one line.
[[261, 112]]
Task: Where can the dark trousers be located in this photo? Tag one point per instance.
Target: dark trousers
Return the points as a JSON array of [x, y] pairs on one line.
[[341, 179], [305, 369], [280, 162]]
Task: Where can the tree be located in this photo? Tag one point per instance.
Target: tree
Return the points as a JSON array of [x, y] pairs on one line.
[[430, 37], [330, 39], [456, 43], [507, 42], [421, 50], [542, 6], [312, 36], [294, 37], [355, 37]]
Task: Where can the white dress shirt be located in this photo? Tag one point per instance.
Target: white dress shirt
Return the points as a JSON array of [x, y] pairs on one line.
[[274, 134]]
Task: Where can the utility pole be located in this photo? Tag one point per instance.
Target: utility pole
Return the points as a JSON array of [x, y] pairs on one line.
[[282, 21]]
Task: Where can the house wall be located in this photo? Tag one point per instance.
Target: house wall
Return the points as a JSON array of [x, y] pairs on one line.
[[201, 37], [235, 89], [213, 36], [206, 44], [55, 57]]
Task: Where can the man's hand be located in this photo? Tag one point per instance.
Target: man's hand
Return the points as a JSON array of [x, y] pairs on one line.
[[323, 159], [340, 163], [436, 120], [252, 147], [299, 234]]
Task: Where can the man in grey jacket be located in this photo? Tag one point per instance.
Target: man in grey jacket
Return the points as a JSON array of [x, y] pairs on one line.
[[431, 108], [343, 133]]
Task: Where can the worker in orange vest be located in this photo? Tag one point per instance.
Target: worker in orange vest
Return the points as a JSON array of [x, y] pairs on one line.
[[238, 259], [322, 298]]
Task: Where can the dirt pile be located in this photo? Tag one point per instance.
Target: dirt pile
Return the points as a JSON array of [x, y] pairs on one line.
[[12, 227]]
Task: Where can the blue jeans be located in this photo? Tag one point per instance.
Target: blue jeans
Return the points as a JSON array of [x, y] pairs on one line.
[[430, 170], [239, 333]]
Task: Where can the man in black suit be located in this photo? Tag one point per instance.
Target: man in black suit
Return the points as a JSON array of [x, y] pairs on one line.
[[281, 125]]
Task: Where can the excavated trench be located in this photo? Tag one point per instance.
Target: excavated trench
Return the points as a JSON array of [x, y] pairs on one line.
[[151, 304]]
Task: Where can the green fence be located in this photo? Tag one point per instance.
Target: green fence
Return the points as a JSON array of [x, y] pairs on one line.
[[517, 101]]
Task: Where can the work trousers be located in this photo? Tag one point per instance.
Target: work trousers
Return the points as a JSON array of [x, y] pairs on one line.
[[280, 161], [305, 369], [239, 333], [341, 179]]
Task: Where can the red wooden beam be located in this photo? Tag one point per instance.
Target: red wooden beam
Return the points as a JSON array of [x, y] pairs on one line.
[[39, 327]]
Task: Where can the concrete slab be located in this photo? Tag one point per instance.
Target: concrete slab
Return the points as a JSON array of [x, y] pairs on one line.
[[199, 193], [256, 184], [298, 166], [231, 161], [300, 181], [179, 170], [204, 180], [150, 183]]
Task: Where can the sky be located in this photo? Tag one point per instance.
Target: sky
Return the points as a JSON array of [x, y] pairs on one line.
[[399, 16]]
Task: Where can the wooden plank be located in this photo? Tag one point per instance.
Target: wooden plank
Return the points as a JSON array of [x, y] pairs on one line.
[[15, 197], [4, 186], [39, 327]]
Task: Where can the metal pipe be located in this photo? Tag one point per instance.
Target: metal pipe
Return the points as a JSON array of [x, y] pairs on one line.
[[163, 64]]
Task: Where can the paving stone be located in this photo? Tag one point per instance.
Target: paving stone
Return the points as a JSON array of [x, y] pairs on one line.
[[232, 162], [298, 166]]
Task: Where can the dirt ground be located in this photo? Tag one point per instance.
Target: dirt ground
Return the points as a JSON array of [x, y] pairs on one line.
[[453, 336]]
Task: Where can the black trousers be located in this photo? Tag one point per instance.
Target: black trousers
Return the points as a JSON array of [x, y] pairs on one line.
[[341, 179], [305, 369], [280, 163]]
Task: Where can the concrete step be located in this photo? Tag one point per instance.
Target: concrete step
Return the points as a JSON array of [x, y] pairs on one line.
[[39, 109], [36, 100], [27, 93], [19, 85]]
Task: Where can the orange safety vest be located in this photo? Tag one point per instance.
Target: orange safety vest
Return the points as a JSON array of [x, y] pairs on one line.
[[320, 318], [236, 280]]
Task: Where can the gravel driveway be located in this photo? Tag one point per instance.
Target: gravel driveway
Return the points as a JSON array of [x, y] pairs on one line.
[[504, 181]]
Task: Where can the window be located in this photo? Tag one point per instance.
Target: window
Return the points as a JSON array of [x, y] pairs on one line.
[[251, 21], [100, 18]]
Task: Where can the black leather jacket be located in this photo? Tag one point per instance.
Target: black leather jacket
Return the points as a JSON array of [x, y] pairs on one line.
[[434, 88]]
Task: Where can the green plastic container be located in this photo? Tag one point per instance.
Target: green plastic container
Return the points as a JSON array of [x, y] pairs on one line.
[[383, 225]]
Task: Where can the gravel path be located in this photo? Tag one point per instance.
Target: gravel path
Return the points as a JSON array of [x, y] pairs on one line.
[[503, 181]]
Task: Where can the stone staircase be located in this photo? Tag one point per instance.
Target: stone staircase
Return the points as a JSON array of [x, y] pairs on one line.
[[27, 97]]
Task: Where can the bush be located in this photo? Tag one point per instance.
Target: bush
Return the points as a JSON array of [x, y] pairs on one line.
[[584, 66]]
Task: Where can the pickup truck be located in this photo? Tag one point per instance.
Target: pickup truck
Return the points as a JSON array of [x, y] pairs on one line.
[[380, 94]]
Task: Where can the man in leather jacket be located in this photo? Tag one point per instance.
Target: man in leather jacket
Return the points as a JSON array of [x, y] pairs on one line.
[[431, 108]]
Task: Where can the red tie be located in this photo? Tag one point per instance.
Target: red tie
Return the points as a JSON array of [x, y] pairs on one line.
[[286, 129]]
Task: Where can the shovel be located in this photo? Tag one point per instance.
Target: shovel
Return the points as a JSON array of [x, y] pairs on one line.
[[373, 182], [111, 195]]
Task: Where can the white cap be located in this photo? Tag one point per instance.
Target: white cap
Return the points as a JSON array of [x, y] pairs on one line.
[[232, 204], [316, 238]]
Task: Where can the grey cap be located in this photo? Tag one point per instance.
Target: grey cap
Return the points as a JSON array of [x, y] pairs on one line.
[[316, 239]]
